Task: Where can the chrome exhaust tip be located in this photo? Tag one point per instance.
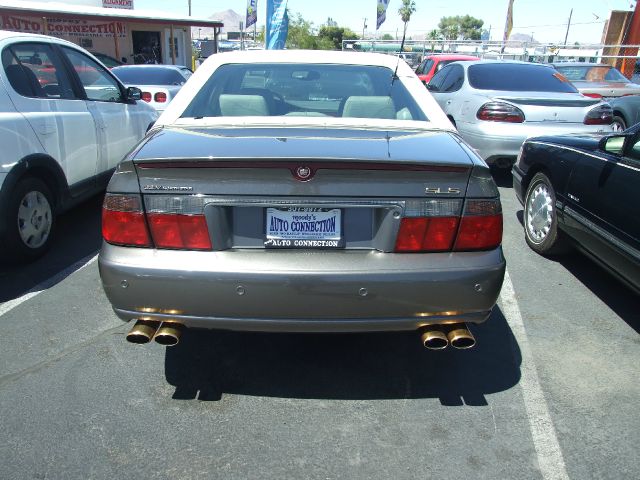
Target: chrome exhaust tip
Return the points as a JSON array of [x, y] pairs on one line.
[[142, 332], [168, 334], [461, 338], [433, 338]]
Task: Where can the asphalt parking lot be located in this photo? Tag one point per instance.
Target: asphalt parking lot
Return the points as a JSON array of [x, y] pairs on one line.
[[551, 391]]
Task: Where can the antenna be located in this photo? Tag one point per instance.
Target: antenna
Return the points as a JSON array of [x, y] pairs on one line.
[[395, 72]]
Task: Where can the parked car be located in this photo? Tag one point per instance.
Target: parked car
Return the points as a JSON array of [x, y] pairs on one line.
[[496, 105], [597, 80], [432, 64], [300, 206], [65, 122], [107, 60], [626, 111], [159, 83], [583, 190]]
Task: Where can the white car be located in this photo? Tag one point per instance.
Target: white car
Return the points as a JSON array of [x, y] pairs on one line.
[[496, 105], [65, 123]]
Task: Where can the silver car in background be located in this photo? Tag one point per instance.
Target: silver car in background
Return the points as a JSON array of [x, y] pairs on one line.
[[496, 105], [159, 83], [597, 80], [303, 191]]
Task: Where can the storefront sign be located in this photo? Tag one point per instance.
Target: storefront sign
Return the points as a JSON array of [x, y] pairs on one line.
[[128, 4], [59, 27]]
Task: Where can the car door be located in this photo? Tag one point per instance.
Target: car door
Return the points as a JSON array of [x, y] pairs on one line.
[[445, 93], [119, 123], [43, 92], [602, 206]]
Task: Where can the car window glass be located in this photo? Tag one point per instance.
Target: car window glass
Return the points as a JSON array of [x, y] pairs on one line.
[[438, 79], [97, 83], [518, 77], [149, 75], [634, 151], [356, 91], [426, 66], [34, 70], [454, 80]]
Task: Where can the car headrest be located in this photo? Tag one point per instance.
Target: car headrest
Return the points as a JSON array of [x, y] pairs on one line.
[[243, 106], [369, 107]]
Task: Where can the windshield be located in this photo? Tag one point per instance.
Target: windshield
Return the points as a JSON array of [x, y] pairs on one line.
[[601, 73], [148, 76], [518, 77], [311, 90]]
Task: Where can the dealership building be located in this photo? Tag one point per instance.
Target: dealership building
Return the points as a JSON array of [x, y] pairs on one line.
[[111, 27]]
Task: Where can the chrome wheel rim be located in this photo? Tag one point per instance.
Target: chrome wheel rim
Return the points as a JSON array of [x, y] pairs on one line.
[[34, 219], [539, 213], [617, 127]]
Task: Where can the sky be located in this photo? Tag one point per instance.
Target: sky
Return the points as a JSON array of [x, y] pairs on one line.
[[546, 20]]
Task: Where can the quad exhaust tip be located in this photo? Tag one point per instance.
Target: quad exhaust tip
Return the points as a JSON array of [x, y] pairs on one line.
[[144, 331], [435, 337]]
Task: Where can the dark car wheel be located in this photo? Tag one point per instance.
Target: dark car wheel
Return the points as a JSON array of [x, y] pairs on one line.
[[30, 220], [618, 124], [540, 218]]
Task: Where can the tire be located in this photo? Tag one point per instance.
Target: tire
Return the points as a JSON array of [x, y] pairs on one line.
[[618, 124], [30, 221], [541, 220]]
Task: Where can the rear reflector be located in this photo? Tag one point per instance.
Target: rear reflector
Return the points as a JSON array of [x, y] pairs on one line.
[[123, 221], [186, 232], [146, 96], [160, 97]]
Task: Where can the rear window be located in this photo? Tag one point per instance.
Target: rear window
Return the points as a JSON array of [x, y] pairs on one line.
[[148, 76], [311, 90], [592, 74], [518, 77]]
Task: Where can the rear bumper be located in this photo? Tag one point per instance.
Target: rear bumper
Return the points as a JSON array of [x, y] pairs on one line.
[[494, 140], [303, 291]]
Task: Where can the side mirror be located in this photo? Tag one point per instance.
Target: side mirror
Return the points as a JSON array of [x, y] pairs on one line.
[[613, 144], [134, 94]]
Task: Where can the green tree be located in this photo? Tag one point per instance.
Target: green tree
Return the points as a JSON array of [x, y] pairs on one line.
[[461, 27], [387, 36], [336, 35], [408, 7], [300, 33]]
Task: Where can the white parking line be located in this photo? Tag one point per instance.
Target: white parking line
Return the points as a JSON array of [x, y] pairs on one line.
[[50, 282], [545, 440]]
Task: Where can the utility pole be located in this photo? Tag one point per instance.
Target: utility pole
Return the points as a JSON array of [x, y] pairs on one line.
[[568, 25], [189, 7], [364, 26]]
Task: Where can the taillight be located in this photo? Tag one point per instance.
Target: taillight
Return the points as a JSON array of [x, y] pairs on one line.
[[123, 221], [500, 112], [146, 96], [480, 226], [600, 115], [170, 222], [178, 222], [592, 95], [160, 97], [440, 226]]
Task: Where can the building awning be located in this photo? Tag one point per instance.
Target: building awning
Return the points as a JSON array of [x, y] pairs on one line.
[[61, 10]]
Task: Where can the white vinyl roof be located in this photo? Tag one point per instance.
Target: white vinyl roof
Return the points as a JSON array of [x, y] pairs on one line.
[[59, 8]]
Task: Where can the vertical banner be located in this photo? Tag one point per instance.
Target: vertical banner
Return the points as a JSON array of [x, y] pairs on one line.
[[252, 13], [509, 23], [382, 12], [277, 24]]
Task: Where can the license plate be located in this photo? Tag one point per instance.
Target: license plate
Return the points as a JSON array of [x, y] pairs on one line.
[[303, 228]]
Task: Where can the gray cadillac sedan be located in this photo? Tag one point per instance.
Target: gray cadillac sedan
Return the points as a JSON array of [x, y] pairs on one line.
[[303, 191]]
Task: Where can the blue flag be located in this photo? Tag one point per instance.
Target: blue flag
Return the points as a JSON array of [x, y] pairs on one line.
[[252, 13], [381, 12], [277, 24]]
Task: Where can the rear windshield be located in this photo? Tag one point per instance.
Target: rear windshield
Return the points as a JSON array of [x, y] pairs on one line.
[[602, 73], [518, 77], [309, 90], [148, 76]]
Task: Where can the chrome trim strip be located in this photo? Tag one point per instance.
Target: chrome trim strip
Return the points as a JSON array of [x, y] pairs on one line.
[[582, 152], [603, 233]]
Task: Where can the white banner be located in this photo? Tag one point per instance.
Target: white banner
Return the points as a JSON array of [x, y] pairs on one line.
[[126, 4]]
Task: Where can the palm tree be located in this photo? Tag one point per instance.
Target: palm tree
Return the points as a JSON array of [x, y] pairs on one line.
[[405, 11]]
